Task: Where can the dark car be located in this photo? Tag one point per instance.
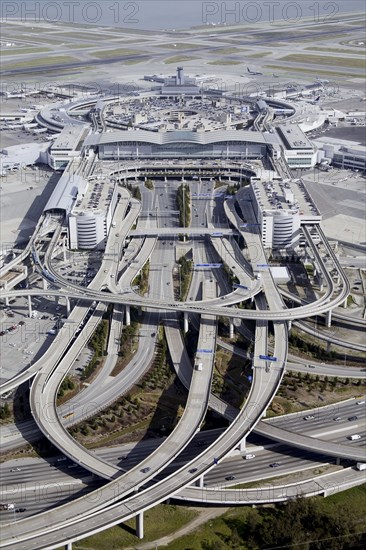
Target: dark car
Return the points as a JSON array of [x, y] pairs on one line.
[[20, 510], [351, 418], [145, 470], [192, 470], [274, 465], [229, 478], [122, 457]]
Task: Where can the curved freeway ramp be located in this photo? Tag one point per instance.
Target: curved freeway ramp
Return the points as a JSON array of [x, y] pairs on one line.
[[325, 485], [311, 443]]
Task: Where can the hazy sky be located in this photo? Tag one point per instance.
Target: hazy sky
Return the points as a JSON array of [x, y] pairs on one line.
[[176, 14]]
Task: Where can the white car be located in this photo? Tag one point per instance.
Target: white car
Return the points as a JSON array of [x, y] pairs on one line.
[[361, 402], [354, 437], [248, 457]]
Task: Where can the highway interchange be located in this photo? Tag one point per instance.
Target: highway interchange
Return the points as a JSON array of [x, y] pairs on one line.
[[264, 380], [185, 465]]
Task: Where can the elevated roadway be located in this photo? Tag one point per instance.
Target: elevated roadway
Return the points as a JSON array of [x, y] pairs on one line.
[[326, 485]]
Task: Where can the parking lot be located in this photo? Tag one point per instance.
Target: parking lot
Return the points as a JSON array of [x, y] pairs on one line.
[[25, 339]]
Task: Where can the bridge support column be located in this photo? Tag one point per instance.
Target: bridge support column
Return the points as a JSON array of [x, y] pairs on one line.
[[328, 318], [64, 250], [128, 316], [186, 323], [338, 461], [231, 329], [345, 303], [200, 481], [289, 324], [7, 302], [45, 285], [67, 306], [140, 525], [328, 346], [68, 546], [243, 445], [29, 307]]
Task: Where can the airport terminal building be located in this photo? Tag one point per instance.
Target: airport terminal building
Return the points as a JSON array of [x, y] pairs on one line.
[[186, 125]]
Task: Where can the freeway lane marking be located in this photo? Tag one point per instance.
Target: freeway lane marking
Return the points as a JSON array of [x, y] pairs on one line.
[[348, 428]]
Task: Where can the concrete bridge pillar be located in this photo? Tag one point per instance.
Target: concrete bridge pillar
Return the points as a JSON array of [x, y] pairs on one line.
[[45, 284], [328, 318], [200, 481], [345, 303], [68, 546], [338, 461], [140, 525], [289, 324], [243, 445], [67, 306], [328, 346], [165, 179], [128, 316], [321, 287], [186, 323], [231, 335], [29, 307], [7, 301]]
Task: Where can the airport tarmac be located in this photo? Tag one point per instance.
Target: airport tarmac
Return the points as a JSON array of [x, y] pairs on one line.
[[19, 215], [340, 197]]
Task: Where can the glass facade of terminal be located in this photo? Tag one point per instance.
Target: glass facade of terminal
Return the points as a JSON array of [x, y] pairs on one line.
[[225, 149]]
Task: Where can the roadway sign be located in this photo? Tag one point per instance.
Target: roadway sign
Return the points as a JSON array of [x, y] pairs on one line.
[[217, 234], [205, 351], [268, 358], [209, 265], [263, 265]]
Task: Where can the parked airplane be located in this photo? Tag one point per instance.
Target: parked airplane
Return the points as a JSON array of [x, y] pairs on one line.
[[252, 72], [316, 100]]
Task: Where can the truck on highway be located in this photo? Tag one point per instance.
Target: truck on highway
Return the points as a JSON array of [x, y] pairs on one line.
[[361, 465]]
